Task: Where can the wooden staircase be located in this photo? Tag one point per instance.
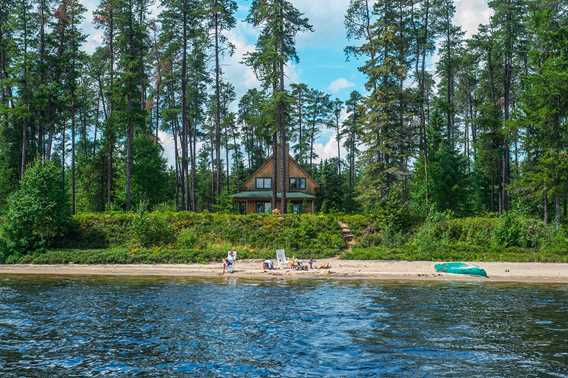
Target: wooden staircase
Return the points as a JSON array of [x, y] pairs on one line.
[[347, 235]]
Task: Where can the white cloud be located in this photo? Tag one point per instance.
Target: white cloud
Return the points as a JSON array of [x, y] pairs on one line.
[[326, 146], [339, 85], [471, 13], [326, 16], [234, 71], [94, 40], [167, 142]]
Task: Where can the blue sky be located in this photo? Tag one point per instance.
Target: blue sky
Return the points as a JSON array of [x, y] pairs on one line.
[[322, 60]]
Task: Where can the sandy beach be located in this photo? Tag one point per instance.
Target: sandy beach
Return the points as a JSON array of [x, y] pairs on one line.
[[339, 269]]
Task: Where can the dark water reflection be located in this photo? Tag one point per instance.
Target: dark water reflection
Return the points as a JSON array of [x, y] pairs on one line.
[[78, 327]]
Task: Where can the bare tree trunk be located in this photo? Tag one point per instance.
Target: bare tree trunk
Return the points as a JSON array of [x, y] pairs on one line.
[[110, 121], [274, 170], [192, 193], [176, 154], [63, 150], [219, 167], [158, 90], [557, 211], [545, 205], [97, 116], [24, 151], [130, 121], [338, 128], [505, 172], [73, 170], [227, 164], [301, 126], [185, 116]]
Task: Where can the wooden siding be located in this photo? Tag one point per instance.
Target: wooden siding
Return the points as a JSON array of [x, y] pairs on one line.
[[294, 170], [250, 205]]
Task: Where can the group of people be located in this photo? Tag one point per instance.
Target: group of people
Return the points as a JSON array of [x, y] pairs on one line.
[[292, 264], [229, 263]]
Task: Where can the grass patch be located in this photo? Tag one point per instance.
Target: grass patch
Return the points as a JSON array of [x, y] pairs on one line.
[[456, 252], [151, 256]]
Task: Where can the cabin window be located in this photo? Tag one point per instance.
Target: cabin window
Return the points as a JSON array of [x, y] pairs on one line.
[[264, 183], [263, 207], [297, 183]]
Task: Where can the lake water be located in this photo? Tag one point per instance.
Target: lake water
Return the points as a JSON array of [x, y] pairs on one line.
[[172, 327]]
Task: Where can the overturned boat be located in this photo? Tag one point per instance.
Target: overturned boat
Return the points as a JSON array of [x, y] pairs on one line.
[[461, 268]]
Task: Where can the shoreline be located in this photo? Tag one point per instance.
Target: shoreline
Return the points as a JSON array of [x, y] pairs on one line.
[[356, 270]]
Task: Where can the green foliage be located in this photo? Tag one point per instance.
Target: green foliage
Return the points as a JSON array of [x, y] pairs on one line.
[[457, 252], [394, 212], [4, 252], [170, 237], [150, 256], [38, 212], [150, 232], [330, 196], [6, 177], [293, 232], [516, 230], [441, 182], [483, 234], [187, 239]]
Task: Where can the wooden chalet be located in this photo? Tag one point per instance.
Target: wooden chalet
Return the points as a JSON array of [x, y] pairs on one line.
[[256, 196]]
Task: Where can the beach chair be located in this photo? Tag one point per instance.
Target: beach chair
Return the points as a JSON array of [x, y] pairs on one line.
[[281, 258]]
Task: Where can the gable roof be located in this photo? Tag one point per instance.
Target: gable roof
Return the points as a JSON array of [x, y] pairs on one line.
[[290, 159]]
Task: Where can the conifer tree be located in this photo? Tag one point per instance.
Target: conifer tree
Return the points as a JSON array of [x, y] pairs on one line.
[[280, 22]]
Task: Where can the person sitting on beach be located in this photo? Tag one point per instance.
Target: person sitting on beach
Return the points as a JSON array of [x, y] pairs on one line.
[[230, 261], [267, 265], [292, 263]]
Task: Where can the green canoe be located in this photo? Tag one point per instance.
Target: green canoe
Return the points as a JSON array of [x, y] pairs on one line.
[[461, 268]]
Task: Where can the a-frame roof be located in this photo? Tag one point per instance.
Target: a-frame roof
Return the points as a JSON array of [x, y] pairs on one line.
[[292, 161]]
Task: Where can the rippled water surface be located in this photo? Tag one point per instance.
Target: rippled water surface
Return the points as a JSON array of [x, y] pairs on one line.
[[111, 326]]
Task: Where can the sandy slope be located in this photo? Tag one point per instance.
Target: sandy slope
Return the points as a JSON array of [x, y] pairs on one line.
[[340, 269]]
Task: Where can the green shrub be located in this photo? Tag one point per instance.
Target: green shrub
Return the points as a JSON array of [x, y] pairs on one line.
[[156, 255], [13, 258], [371, 239], [266, 232], [187, 239], [516, 230], [3, 249], [148, 231], [432, 233], [38, 212], [456, 252]]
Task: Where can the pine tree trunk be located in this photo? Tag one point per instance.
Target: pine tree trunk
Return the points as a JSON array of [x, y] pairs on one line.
[[158, 90], [192, 194], [73, 170], [338, 128], [227, 178], [218, 165], [24, 152], [97, 116], [177, 168], [63, 155], [130, 121], [184, 111], [545, 205], [505, 172], [110, 120], [557, 211]]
